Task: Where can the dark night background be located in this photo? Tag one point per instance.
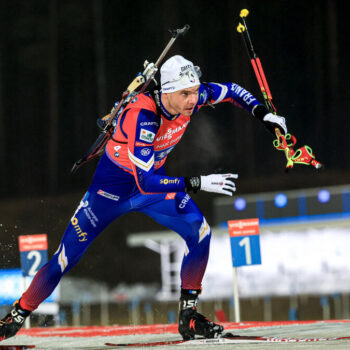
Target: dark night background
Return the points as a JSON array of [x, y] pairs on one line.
[[64, 63]]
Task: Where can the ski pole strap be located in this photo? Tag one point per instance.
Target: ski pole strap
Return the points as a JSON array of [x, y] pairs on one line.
[[282, 145], [303, 155], [288, 140]]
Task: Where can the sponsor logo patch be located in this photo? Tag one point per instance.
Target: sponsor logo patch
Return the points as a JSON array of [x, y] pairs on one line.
[[141, 144], [203, 97], [149, 123], [82, 236], [91, 216], [170, 195], [145, 151], [108, 195], [168, 88], [161, 155], [147, 136], [247, 97], [184, 201], [170, 132], [116, 149], [168, 181], [183, 68]]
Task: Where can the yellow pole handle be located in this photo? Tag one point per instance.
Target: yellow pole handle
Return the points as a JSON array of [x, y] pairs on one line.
[[244, 13]]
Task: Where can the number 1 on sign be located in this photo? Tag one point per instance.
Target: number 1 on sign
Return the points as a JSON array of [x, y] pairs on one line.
[[246, 243]]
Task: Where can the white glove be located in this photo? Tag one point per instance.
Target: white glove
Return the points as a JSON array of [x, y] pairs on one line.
[[276, 121], [219, 183]]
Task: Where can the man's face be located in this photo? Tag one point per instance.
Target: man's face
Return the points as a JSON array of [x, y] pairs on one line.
[[182, 101]]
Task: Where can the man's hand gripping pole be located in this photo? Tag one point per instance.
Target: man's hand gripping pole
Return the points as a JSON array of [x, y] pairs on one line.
[[285, 143]]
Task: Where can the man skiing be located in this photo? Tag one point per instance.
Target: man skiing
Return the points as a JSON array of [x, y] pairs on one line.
[[130, 177]]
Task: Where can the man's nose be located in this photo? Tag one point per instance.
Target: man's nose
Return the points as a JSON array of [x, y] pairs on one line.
[[193, 98]]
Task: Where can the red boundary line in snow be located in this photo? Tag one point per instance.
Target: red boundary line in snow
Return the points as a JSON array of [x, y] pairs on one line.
[[94, 331]]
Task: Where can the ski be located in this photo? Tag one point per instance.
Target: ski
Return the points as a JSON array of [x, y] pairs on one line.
[[16, 347], [228, 339]]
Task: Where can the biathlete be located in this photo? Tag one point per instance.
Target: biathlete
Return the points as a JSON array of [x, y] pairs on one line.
[[130, 177]]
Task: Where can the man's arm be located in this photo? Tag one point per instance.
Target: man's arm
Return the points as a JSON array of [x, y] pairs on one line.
[[213, 93], [141, 127]]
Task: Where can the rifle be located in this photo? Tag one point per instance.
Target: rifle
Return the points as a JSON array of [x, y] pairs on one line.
[[137, 86]]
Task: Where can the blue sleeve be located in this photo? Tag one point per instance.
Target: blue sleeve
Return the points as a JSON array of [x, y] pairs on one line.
[[141, 135], [213, 93]]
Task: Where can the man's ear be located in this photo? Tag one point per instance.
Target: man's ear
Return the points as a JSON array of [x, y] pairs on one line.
[[165, 97]]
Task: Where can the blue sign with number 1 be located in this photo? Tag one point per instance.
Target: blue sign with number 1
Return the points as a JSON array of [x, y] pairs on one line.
[[245, 250], [245, 242]]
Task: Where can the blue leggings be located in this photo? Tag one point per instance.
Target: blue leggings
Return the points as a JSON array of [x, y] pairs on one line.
[[98, 209]]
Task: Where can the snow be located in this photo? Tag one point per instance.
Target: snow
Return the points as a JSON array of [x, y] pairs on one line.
[[316, 329]]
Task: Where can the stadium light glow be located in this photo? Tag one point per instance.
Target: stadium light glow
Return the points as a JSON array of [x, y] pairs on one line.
[[240, 204], [323, 196], [281, 200]]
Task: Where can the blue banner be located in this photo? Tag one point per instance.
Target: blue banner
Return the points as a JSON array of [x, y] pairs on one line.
[[12, 286]]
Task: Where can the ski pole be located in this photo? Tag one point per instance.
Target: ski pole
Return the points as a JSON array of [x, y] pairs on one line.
[[305, 156], [256, 63], [141, 82]]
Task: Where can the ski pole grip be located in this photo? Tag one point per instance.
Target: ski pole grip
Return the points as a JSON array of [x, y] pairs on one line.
[[244, 13], [176, 32]]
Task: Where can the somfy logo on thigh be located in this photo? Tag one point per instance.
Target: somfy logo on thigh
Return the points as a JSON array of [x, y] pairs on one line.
[[82, 236]]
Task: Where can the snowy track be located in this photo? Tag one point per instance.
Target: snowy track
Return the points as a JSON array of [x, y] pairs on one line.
[[95, 337]]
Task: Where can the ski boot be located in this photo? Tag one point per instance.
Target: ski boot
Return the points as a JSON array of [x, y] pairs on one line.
[[13, 321], [193, 323]]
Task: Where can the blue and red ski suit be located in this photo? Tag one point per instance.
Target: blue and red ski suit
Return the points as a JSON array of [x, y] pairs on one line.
[[130, 177]]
